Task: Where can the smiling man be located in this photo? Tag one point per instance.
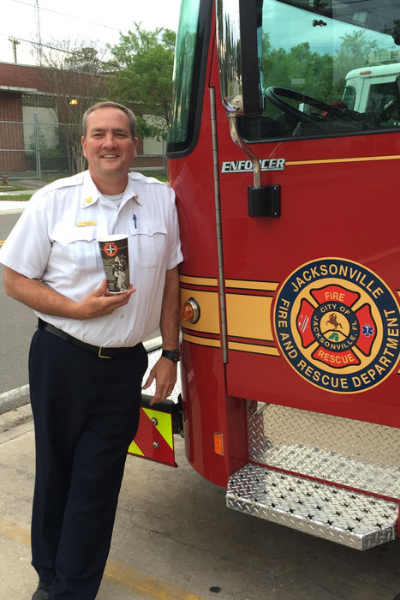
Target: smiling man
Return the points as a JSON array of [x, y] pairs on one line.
[[86, 360], [109, 145]]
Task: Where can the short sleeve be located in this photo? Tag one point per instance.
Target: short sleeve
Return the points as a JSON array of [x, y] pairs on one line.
[[28, 247]]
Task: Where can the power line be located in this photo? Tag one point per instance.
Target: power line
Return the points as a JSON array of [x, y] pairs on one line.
[[36, 44], [38, 34], [61, 14]]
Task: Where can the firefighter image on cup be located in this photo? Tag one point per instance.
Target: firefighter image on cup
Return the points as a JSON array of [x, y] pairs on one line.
[[114, 254], [120, 274]]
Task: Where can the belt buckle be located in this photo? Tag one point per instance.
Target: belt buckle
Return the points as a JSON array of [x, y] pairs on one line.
[[100, 355]]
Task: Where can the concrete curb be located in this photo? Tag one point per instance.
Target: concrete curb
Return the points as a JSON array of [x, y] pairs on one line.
[[10, 212], [14, 399]]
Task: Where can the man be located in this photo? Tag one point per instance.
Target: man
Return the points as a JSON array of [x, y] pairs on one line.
[[86, 359]]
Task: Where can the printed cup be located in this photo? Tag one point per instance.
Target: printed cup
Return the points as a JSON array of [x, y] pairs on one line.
[[114, 253]]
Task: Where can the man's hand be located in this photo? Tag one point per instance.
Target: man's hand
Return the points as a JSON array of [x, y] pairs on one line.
[[42, 298], [164, 372], [100, 302]]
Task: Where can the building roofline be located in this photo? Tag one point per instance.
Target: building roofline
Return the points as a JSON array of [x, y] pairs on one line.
[[9, 88]]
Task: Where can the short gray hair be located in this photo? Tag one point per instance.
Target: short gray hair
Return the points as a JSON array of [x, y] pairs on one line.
[[109, 104]]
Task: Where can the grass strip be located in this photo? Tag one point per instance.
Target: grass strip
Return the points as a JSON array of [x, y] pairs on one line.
[[15, 198]]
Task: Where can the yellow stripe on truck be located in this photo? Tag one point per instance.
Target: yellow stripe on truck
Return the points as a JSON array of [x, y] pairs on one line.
[[163, 424], [249, 316]]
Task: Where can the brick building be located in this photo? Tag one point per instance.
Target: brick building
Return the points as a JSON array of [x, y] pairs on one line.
[[16, 82], [25, 96]]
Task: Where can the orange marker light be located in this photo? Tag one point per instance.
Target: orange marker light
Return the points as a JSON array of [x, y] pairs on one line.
[[190, 310], [187, 311], [219, 444]]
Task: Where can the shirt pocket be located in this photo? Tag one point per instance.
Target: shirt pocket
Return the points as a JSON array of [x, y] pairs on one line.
[[148, 242], [81, 248]]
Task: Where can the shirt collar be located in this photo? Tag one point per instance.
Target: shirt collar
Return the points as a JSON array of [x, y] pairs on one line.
[[91, 194]]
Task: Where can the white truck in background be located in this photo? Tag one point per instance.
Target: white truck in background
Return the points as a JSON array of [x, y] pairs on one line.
[[374, 90]]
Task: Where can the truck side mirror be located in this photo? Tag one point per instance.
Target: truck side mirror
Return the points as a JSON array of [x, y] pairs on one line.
[[238, 27]]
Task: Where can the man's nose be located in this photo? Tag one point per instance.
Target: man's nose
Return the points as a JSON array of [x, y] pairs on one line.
[[109, 140]]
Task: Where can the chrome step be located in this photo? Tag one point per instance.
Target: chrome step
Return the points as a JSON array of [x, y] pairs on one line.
[[350, 518]]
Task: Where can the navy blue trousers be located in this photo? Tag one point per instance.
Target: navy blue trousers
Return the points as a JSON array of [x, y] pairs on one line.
[[86, 413]]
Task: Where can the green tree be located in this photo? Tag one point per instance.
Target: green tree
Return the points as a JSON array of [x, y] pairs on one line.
[[354, 52], [75, 77], [321, 76], [301, 70], [85, 59], [142, 68]]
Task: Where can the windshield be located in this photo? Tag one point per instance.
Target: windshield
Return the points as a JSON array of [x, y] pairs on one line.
[[189, 73], [183, 69], [327, 68]]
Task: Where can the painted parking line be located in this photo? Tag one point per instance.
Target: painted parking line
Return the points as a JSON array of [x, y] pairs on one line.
[[118, 573], [145, 585], [11, 530]]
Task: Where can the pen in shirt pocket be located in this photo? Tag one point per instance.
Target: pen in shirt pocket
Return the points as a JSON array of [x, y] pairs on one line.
[[134, 221]]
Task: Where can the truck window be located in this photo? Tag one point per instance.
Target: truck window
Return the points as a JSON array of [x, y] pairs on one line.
[[307, 51], [349, 97], [189, 69], [384, 98]]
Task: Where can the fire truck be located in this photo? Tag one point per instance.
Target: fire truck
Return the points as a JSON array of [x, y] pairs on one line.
[[288, 199]]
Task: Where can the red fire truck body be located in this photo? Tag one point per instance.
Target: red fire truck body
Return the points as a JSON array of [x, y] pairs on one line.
[[290, 284]]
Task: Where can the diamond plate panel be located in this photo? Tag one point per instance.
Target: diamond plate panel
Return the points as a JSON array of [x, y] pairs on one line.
[[353, 453], [335, 514]]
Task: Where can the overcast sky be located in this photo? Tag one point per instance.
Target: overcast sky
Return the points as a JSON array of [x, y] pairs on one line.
[[96, 21]]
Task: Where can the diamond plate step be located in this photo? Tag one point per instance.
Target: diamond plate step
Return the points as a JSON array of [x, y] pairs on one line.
[[351, 453], [345, 517]]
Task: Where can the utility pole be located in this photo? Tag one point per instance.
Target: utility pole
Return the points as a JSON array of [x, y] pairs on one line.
[[14, 43], [37, 148], [38, 34]]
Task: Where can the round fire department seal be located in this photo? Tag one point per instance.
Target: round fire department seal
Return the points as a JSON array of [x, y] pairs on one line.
[[338, 325], [110, 248]]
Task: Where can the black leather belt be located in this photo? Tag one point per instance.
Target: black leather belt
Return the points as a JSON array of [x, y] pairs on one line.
[[100, 351]]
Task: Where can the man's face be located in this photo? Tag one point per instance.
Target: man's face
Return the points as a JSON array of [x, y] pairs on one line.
[[108, 145]]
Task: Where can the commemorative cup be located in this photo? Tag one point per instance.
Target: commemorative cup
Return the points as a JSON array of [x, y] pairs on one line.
[[115, 257]]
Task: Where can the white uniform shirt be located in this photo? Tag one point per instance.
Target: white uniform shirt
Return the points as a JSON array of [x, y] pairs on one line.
[[55, 241]]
